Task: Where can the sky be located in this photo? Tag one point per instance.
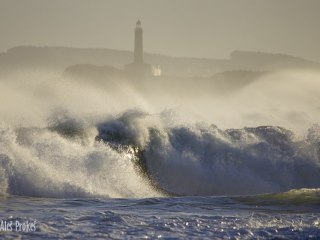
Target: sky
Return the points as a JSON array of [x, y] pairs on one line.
[[183, 28]]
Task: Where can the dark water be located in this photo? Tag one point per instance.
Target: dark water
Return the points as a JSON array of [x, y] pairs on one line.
[[169, 218]]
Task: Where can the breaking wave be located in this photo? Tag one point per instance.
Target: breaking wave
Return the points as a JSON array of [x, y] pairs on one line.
[[137, 154], [293, 197]]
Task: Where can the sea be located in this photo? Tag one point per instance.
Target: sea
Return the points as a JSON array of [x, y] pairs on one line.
[[137, 175]]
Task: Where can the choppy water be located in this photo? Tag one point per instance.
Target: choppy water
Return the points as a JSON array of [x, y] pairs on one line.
[[264, 217], [132, 175]]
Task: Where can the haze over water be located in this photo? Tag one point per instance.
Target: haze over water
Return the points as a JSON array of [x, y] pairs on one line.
[[92, 146]]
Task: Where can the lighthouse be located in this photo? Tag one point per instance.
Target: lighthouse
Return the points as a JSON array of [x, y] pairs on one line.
[[138, 43], [138, 68]]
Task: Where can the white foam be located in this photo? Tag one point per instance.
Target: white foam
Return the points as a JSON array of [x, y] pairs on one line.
[[43, 163]]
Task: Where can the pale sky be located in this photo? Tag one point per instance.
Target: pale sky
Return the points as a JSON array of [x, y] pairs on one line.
[[194, 28]]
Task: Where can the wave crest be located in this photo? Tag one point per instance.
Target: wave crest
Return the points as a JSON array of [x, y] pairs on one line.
[[202, 159], [138, 154]]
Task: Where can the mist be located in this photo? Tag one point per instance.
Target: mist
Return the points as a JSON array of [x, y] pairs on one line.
[[136, 124], [159, 119], [288, 98]]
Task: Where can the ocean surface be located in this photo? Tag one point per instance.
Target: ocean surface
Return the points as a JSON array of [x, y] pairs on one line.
[[138, 175], [255, 217]]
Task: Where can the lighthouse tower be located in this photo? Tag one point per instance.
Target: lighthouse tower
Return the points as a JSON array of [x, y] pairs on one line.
[[138, 43], [138, 68]]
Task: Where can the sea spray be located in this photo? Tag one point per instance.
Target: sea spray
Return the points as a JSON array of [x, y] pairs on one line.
[[137, 154], [202, 159], [43, 163], [99, 144]]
